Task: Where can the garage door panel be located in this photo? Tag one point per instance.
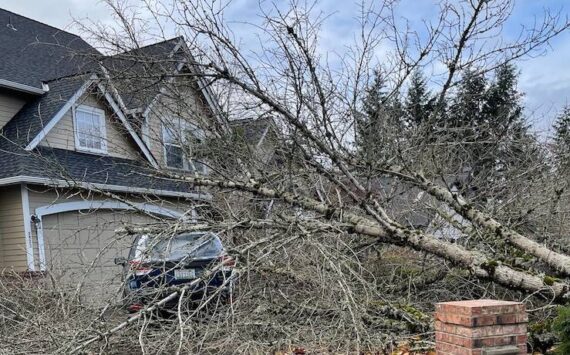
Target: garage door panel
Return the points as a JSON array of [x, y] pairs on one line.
[[84, 245], [85, 218], [67, 220], [77, 241]]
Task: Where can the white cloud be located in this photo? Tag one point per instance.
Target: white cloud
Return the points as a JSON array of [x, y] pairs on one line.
[[546, 82], [545, 79], [59, 13]]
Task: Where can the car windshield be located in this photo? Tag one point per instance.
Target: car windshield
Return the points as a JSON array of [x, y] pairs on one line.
[[192, 245]]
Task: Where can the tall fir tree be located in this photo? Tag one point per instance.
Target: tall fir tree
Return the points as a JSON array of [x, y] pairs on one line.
[[488, 129], [466, 111], [380, 124], [562, 139], [507, 131], [419, 103], [464, 124], [503, 108]]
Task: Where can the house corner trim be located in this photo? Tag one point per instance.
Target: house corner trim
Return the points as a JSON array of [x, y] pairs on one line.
[[27, 227]]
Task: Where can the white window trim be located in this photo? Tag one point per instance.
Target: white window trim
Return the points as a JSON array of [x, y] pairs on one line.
[[103, 129], [164, 150], [27, 227], [184, 125]]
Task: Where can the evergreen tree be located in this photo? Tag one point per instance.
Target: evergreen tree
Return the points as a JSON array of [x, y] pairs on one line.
[[418, 104], [374, 102], [507, 132], [503, 109], [466, 111], [464, 124], [490, 136], [562, 138], [380, 124]]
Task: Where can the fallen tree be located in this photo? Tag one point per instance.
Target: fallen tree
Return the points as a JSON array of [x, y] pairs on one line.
[[322, 213]]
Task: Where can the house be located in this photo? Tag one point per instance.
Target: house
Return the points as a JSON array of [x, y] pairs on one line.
[[85, 141]]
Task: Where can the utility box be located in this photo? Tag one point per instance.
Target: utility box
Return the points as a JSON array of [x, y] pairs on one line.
[[480, 327]]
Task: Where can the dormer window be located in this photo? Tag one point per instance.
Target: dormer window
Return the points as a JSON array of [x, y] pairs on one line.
[[89, 126], [182, 143]]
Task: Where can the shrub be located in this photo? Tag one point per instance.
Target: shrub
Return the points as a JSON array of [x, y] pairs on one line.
[[562, 327]]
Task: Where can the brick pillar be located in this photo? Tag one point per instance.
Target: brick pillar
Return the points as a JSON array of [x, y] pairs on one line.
[[480, 327]]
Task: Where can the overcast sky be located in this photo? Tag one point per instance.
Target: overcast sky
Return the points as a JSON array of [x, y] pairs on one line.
[[544, 79]]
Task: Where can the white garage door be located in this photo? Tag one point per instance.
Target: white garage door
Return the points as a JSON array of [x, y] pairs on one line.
[[81, 246]]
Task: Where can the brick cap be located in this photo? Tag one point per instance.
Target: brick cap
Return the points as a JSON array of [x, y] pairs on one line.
[[487, 312], [479, 303]]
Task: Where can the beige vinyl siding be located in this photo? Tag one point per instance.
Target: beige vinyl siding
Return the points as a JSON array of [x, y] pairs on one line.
[[9, 106], [119, 143], [192, 108], [12, 238], [154, 138]]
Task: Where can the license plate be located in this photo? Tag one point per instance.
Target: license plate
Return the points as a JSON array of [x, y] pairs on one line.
[[184, 274]]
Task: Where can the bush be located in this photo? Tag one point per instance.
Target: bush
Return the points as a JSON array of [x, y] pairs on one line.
[[562, 327]]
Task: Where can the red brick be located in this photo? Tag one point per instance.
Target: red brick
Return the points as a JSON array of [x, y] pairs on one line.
[[482, 320], [476, 307], [478, 332], [468, 327]]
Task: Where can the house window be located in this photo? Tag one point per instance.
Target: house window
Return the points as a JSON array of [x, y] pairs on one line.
[[182, 147], [173, 149], [90, 134]]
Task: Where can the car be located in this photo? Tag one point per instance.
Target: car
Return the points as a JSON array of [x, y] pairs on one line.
[[156, 264]]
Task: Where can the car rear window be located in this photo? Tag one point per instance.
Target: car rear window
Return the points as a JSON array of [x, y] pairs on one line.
[[193, 245]]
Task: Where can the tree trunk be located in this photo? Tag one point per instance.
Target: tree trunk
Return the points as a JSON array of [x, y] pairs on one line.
[[475, 262]]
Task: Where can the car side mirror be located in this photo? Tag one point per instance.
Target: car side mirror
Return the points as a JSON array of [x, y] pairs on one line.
[[120, 261]]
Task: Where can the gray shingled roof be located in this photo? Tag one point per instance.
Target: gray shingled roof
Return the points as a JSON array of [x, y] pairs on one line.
[[76, 167], [139, 74], [38, 112], [32, 52]]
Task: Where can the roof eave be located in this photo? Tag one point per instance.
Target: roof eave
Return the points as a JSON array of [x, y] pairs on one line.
[[27, 89], [60, 183]]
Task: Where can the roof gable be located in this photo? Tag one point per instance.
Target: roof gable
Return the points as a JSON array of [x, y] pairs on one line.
[[33, 122], [37, 115], [118, 142], [142, 75], [139, 74]]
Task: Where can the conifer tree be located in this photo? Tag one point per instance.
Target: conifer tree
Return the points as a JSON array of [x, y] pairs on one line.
[[562, 138], [418, 104], [380, 125], [487, 128], [464, 124]]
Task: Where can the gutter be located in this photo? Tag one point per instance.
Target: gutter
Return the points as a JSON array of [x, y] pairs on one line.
[[27, 89], [104, 187]]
